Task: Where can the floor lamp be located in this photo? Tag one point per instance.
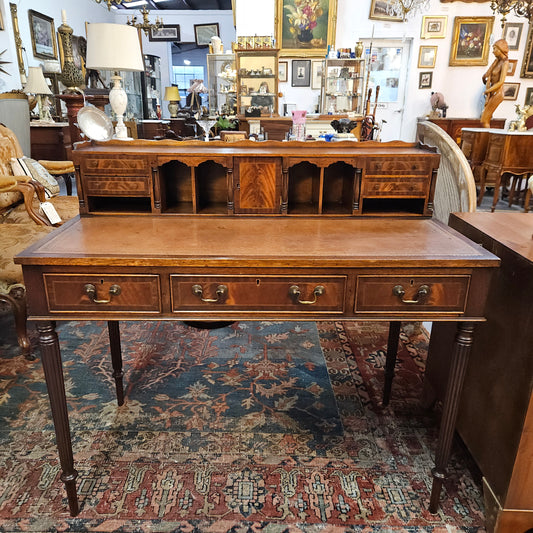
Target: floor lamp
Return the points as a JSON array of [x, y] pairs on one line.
[[115, 47]]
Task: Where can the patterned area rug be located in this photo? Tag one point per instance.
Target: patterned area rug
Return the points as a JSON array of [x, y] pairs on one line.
[[273, 427]]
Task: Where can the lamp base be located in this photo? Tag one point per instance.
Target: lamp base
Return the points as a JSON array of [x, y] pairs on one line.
[[119, 102], [173, 108]]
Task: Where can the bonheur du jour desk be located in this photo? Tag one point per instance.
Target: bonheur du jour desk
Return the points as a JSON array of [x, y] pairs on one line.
[[250, 268]]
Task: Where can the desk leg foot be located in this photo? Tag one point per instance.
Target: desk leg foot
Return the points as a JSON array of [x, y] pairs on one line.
[[116, 358], [390, 363], [53, 373], [461, 352]]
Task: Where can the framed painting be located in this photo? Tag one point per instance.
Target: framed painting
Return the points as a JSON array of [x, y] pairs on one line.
[[166, 32], [378, 11], [316, 74], [512, 32], [204, 32], [529, 96], [510, 91], [282, 71], [427, 56], [425, 80], [434, 27], [305, 28], [511, 69], [301, 73], [470, 44], [43, 35], [527, 62]]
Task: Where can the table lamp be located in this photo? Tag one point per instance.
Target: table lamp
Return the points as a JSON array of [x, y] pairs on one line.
[[36, 84], [115, 47], [172, 96]]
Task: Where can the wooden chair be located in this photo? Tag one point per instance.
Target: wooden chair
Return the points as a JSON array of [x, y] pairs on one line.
[[231, 136]]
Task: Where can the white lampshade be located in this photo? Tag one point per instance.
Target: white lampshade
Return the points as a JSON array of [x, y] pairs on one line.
[[113, 47], [36, 83]]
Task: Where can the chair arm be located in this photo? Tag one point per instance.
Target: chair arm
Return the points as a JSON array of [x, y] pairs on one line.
[[57, 168]]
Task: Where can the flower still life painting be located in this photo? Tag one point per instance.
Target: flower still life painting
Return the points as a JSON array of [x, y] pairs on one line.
[[305, 26], [470, 44]]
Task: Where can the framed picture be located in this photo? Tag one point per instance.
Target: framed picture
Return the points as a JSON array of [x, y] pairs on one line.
[[167, 32], [470, 44], [434, 27], [305, 28], [1, 21], [301, 73], [510, 91], [378, 11], [43, 35], [204, 32], [316, 74], [527, 62], [512, 31], [282, 71], [529, 96], [425, 80], [511, 67], [427, 57]]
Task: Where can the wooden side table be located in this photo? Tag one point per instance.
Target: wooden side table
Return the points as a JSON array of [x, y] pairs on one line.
[[50, 141]]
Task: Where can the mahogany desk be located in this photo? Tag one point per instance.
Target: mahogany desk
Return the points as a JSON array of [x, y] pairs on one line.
[[254, 268]]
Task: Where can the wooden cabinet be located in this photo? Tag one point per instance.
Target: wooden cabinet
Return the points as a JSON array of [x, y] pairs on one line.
[[496, 411], [50, 141], [453, 126], [271, 178], [257, 81]]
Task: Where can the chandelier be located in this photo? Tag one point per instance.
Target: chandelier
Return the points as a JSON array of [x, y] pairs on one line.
[[145, 25], [112, 2], [406, 8], [521, 8]]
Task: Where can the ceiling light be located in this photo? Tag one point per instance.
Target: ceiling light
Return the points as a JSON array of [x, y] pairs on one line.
[[521, 8], [186, 62]]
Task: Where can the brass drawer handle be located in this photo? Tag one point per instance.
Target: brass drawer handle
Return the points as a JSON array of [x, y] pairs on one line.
[[422, 292], [90, 290], [221, 292], [294, 292]]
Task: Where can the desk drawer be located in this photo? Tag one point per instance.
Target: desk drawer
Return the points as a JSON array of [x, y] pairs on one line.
[[396, 166], [406, 186], [70, 292], [113, 166], [261, 293], [431, 293], [124, 186]]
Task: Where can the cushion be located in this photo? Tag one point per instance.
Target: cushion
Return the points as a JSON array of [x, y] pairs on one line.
[[27, 166]]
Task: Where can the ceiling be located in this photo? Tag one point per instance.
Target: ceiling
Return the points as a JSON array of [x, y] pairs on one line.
[[181, 4]]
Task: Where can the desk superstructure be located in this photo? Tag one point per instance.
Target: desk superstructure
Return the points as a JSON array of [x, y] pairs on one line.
[[253, 268]]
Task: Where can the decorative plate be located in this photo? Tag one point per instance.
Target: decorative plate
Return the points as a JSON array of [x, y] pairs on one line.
[[94, 123]]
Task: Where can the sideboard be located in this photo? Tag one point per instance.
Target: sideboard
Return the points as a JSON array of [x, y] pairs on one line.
[[454, 126], [246, 177]]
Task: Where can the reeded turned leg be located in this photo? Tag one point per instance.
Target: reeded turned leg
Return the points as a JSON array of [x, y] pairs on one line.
[[53, 373], [390, 362], [461, 351], [116, 358]]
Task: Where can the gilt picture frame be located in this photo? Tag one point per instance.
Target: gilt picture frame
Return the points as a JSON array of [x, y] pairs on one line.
[[434, 27], [378, 11], [527, 61], [511, 69], [510, 91], [471, 41], [529, 96], [427, 57], [43, 35], [282, 71], [311, 37]]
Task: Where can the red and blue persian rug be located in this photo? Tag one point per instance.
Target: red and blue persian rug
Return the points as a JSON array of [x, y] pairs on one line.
[[258, 427]]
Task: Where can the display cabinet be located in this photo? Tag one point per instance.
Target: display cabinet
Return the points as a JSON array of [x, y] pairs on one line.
[[342, 86], [221, 82], [257, 82], [151, 86]]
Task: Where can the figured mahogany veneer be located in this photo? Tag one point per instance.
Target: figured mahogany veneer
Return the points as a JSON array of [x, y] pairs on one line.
[[246, 177]]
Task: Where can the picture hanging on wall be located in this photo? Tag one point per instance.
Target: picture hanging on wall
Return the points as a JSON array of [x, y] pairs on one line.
[[529, 96], [434, 27], [43, 35], [512, 67], [301, 73], [166, 32], [378, 11], [510, 91], [512, 31], [527, 62], [204, 32], [316, 74], [282, 71], [425, 80], [427, 57], [471, 41], [305, 28]]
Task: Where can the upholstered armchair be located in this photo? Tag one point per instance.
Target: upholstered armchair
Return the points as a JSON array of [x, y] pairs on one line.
[[21, 224]]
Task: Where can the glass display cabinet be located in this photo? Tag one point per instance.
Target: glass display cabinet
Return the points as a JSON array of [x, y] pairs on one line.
[[342, 86], [221, 82], [257, 82], [151, 86]]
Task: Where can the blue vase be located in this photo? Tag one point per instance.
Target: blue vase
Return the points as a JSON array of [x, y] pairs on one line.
[[305, 35]]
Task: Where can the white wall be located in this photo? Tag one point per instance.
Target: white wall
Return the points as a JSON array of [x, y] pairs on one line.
[[461, 86]]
